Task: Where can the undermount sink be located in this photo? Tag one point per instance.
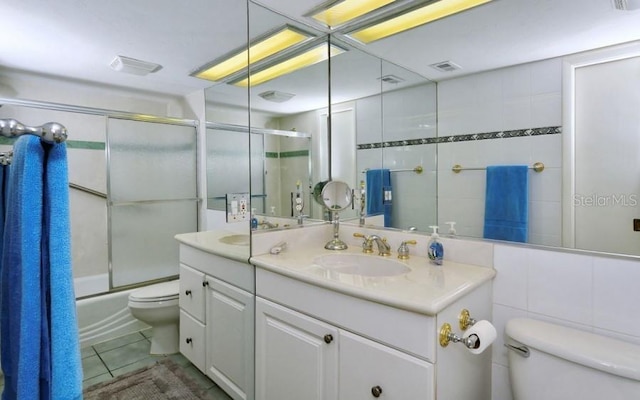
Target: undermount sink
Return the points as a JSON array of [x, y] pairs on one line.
[[238, 240], [360, 264]]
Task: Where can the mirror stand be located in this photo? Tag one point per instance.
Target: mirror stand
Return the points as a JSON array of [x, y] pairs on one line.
[[335, 243]]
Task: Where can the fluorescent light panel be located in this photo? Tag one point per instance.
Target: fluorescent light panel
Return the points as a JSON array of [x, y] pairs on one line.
[[339, 13], [312, 56], [411, 19], [272, 44]]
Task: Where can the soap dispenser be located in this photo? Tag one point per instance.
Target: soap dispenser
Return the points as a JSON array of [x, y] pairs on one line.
[[254, 220], [452, 229], [436, 250]]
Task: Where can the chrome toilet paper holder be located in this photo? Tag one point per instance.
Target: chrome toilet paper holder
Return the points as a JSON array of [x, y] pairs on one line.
[[464, 322]]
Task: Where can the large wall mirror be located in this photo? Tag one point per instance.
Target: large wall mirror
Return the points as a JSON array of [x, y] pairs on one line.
[[503, 104]]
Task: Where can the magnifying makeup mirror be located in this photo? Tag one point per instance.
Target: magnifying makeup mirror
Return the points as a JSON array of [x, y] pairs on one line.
[[335, 196]]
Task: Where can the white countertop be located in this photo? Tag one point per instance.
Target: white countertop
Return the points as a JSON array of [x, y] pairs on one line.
[[213, 242], [426, 289]]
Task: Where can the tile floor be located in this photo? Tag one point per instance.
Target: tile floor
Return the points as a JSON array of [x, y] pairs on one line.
[[104, 361]]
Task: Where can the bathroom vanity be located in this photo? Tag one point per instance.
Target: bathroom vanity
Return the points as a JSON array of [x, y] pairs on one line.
[[329, 324], [217, 309], [346, 325]]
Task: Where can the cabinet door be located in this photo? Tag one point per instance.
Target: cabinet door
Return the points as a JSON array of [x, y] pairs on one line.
[[192, 344], [230, 321], [369, 370], [192, 292], [296, 356]]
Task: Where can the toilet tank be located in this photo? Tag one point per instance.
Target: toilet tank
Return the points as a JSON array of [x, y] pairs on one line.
[[565, 363]]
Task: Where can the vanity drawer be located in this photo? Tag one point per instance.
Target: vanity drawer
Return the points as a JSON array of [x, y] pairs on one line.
[[369, 369], [192, 292], [237, 273], [192, 340]]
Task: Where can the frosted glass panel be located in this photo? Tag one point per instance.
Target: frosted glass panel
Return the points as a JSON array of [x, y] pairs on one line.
[[227, 165], [151, 161], [143, 247]]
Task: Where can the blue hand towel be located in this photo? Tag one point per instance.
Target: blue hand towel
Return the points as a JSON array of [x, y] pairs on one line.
[[379, 193], [506, 213], [66, 364], [21, 320]]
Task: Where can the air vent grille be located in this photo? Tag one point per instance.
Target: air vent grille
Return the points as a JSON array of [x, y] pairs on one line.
[[446, 66], [391, 79], [626, 5]]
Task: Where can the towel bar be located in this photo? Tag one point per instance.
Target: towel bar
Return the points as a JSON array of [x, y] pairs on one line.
[[537, 167], [418, 170], [51, 132]]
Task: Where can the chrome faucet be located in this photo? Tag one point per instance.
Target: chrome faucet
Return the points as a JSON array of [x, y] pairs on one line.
[[383, 247], [367, 246]]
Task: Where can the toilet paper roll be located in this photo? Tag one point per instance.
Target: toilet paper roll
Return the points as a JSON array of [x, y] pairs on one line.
[[485, 334]]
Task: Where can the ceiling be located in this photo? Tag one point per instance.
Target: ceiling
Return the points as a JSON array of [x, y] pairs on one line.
[[79, 38]]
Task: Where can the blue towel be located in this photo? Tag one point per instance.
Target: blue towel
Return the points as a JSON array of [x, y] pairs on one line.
[[21, 321], [379, 193], [39, 332], [506, 212], [66, 364]]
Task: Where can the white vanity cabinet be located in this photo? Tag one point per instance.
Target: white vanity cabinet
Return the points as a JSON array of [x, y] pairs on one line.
[[296, 355], [300, 357], [316, 343], [217, 319]]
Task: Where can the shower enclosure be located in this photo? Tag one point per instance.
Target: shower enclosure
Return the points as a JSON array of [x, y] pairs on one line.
[[132, 185]]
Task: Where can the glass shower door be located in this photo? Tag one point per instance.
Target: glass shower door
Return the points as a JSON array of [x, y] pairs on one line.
[[152, 197]]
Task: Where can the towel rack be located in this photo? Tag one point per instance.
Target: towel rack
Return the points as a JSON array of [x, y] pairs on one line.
[[51, 132], [538, 167], [418, 170]]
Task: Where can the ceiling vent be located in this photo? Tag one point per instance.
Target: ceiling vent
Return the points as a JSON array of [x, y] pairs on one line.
[[446, 66], [275, 96], [391, 79], [133, 66], [625, 5]]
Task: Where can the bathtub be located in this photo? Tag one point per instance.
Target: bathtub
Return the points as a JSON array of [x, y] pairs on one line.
[[106, 317]]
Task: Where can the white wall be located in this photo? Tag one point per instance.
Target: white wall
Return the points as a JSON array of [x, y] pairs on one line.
[[521, 97], [589, 292]]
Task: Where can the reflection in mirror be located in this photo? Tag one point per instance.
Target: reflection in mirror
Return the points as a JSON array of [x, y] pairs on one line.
[[383, 140], [284, 118], [335, 196]]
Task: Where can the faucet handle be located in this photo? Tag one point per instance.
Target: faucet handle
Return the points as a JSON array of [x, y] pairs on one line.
[[367, 244], [403, 250]]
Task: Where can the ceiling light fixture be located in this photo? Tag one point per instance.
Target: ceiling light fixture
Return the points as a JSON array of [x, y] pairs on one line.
[[309, 57], [276, 96], [265, 46], [412, 18], [133, 66], [335, 13]]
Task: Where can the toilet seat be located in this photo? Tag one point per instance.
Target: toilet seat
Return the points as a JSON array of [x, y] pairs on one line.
[[159, 292]]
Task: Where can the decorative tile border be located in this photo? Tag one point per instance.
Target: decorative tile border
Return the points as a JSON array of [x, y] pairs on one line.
[[286, 154], [550, 130]]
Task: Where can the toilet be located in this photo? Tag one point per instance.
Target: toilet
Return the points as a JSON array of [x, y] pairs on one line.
[[157, 306], [548, 361]]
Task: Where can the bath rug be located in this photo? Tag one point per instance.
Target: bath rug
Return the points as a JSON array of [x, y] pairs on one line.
[[164, 380]]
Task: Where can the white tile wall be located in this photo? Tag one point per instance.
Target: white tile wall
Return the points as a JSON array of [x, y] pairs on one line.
[[584, 291], [524, 96]]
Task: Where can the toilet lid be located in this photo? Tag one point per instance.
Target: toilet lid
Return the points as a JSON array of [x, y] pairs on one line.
[[159, 291]]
